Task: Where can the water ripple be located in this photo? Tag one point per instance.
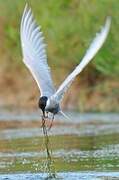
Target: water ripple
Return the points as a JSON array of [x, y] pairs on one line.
[[65, 176]]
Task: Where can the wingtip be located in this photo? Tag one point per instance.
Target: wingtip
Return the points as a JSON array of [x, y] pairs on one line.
[[106, 27], [26, 4], [26, 7], [25, 12], [107, 24], [108, 21]]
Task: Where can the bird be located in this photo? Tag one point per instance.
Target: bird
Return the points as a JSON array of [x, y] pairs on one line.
[[35, 58]]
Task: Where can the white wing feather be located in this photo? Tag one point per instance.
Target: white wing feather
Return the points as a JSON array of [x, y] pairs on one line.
[[34, 53], [91, 52]]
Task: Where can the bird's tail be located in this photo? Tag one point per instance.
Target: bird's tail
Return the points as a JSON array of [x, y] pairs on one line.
[[63, 114]]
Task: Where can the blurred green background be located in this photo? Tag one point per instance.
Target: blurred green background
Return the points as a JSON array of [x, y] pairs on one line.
[[69, 27]]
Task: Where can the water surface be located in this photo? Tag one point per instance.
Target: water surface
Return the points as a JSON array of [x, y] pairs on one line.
[[85, 147]]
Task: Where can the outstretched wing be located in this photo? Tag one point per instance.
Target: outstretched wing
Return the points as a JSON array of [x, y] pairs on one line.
[[91, 52], [34, 53]]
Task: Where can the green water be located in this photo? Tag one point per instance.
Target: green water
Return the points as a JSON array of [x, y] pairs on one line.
[[70, 153], [82, 146]]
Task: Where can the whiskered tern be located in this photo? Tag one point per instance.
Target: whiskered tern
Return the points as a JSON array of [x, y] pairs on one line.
[[35, 58]]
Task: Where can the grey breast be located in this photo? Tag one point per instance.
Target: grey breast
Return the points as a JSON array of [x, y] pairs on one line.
[[54, 109]]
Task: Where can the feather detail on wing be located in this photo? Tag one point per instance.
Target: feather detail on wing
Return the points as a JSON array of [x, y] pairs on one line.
[[91, 52], [34, 53]]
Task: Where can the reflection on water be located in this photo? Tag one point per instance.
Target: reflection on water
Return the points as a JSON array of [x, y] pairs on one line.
[[89, 148]]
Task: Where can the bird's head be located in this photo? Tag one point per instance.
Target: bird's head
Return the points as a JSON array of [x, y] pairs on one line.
[[42, 103]]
